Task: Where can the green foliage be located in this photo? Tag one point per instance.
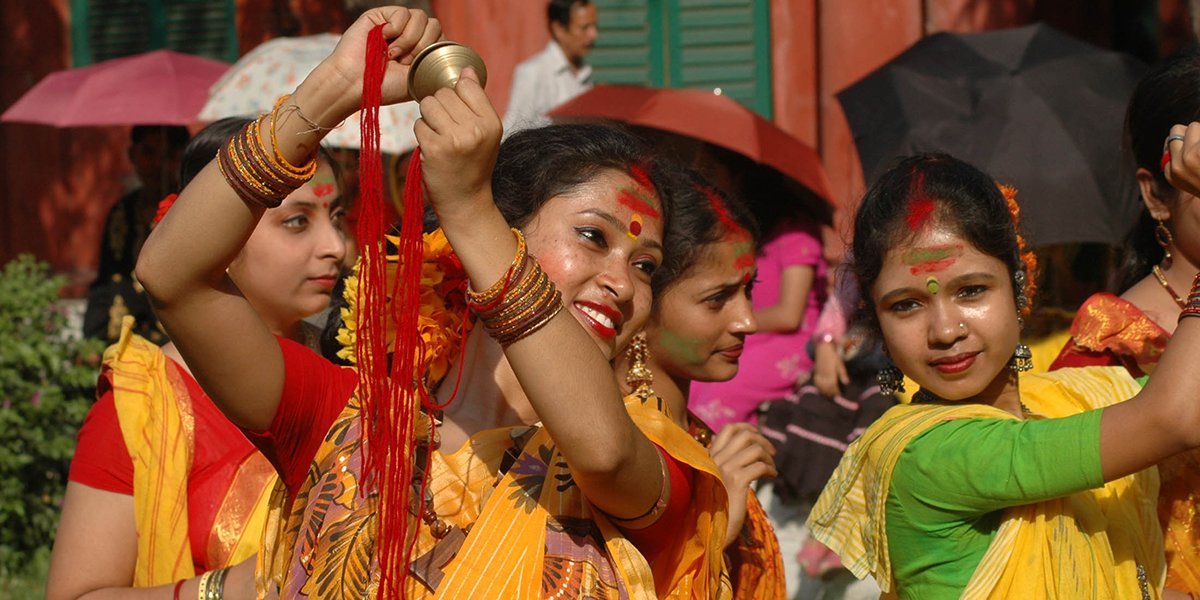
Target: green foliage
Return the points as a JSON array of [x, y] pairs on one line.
[[47, 383]]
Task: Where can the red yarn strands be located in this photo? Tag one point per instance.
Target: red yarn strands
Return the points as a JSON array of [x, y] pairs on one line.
[[389, 400]]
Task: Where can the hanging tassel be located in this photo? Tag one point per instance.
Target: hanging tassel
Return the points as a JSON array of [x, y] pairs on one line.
[[390, 401]]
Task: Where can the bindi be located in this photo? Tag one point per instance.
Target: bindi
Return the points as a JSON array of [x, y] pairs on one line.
[[635, 226], [932, 285]]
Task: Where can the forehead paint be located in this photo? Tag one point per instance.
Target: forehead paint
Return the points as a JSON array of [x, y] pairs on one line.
[[323, 186], [929, 260], [638, 173], [635, 226], [743, 246], [680, 348], [639, 201], [932, 285]]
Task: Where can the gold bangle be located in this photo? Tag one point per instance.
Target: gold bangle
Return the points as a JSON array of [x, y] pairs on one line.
[[481, 300], [304, 171], [202, 593]]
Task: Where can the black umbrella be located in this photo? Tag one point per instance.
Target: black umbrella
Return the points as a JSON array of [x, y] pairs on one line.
[[1032, 106]]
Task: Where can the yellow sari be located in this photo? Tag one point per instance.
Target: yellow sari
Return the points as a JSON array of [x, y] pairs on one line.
[[530, 531], [155, 414], [1100, 543]]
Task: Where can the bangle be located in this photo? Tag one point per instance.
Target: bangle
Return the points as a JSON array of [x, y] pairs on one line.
[[826, 338], [178, 585], [664, 494], [202, 589], [1192, 307]]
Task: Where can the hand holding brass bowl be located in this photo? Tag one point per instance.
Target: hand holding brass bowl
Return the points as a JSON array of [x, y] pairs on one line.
[[440, 65]]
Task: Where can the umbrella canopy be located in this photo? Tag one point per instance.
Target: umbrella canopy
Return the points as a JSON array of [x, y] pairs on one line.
[[156, 88], [1031, 106], [718, 120], [276, 67]]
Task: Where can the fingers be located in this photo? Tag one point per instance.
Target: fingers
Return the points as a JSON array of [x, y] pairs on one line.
[[431, 34], [1181, 158], [404, 45], [472, 94], [723, 437], [842, 375]]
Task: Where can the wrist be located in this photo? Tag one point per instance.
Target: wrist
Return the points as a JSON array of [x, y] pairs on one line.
[[323, 97]]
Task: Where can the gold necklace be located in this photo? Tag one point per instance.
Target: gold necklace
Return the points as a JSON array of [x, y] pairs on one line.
[[1162, 279]]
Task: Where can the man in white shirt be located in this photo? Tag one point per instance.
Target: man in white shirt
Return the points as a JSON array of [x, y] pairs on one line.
[[557, 73]]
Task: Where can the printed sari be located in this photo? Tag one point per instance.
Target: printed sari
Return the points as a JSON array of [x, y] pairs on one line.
[[1110, 331]]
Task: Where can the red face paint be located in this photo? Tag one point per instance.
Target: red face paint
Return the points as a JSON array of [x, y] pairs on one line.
[[324, 189], [931, 260], [638, 202], [743, 246], [638, 173]]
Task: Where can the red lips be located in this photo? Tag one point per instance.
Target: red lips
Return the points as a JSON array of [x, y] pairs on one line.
[[955, 364]]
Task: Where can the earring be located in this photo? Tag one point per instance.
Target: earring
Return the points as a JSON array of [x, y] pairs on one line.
[[1019, 281], [1163, 236], [639, 377], [891, 381], [1022, 359]]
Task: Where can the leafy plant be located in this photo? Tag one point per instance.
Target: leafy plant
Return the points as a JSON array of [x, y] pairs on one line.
[[47, 382]]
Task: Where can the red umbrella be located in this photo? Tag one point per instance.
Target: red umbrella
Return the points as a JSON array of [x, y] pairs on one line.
[[718, 120], [155, 88]]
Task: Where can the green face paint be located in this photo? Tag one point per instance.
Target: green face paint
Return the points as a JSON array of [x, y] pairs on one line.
[[932, 285], [929, 260], [682, 349]]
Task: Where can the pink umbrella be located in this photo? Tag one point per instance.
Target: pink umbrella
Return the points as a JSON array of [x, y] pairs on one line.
[[156, 88]]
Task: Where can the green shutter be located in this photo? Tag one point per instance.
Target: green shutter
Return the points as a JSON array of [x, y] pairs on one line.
[[723, 44], [630, 45], [104, 29], [703, 44]]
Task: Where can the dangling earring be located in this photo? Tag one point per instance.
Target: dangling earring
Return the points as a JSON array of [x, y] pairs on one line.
[[1022, 359], [639, 377], [1163, 236], [891, 381]]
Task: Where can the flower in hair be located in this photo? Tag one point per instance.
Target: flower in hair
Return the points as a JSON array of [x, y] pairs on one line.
[[163, 206]]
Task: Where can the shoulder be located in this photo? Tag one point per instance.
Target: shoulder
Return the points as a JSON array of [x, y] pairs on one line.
[[1068, 391]]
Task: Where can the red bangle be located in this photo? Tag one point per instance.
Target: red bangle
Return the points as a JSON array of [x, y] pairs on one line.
[[178, 585]]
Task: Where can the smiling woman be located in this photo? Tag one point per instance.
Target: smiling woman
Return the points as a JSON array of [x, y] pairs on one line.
[[994, 482]]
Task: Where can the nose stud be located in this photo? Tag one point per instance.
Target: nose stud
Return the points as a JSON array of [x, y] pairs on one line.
[[962, 327]]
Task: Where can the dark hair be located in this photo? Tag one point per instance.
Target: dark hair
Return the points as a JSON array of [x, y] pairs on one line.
[[176, 135], [695, 225], [1168, 94], [960, 197], [559, 11], [203, 148], [538, 164]]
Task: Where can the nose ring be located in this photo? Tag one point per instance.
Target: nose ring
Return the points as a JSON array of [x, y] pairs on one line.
[[962, 327]]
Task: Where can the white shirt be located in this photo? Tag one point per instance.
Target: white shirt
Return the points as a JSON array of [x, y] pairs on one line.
[[541, 83]]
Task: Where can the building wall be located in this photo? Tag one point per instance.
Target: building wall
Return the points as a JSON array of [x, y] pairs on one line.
[[59, 184]]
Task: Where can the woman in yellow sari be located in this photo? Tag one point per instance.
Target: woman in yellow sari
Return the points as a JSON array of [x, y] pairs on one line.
[[164, 492], [988, 485], [701, 317], [539, 483], [1132, 330]]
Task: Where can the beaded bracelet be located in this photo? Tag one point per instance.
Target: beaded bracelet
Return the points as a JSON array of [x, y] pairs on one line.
[[1192, 307]]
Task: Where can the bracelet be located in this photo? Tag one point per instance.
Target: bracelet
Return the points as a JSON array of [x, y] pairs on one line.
[[202, 593], [293, 107], [1192, 307], [664, 496], [256, 176], [489, 298], [178, 585]]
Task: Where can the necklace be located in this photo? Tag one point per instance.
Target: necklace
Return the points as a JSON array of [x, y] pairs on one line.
[[1162, 279]]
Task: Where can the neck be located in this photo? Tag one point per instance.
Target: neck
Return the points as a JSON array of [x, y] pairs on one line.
[[673, 391], [488, 395], [1004, 393], [1180, 274]]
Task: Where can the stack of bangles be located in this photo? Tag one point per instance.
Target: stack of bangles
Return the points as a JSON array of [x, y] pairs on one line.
[[1192, 307], [522, 302], [260, 177], [212, 584]]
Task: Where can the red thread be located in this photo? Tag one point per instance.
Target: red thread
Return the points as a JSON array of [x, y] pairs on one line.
[[388, 400]]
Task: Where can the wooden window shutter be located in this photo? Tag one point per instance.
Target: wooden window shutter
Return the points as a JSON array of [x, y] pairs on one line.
[[104, 29]]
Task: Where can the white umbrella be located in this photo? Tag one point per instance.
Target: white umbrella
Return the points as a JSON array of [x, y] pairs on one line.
[[276, 67]]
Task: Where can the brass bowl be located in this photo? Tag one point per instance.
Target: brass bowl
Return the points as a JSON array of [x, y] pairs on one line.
[[439, 65]]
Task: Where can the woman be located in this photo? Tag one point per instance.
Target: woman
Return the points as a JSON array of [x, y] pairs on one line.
[[550, 515], [701, 317], [995, 487], [162, 487], [789, 293], [1164, 253]]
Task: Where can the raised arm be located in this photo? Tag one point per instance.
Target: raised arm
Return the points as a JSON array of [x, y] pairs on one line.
[[565, 376], [182, 265], [1164, 418]]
